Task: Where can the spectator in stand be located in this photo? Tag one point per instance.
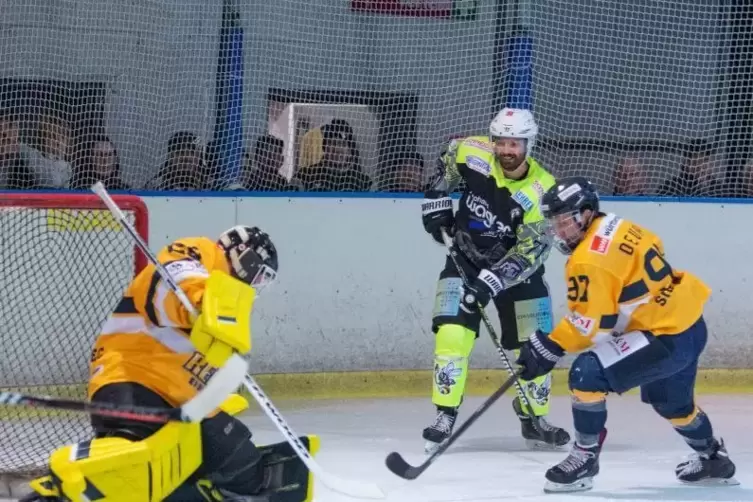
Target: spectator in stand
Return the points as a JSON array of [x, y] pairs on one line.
[[339, 169], [404, 173], [98, 161], [262, 171], [699, 176], [15, 173], [630, 178], [50, 164], [184, 168]]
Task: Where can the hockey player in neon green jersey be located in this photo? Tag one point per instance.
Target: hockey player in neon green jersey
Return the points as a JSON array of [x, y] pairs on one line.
[[502, 253]]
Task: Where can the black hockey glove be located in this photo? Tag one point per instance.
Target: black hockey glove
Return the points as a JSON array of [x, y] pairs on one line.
[[436, 213], [538, 355], [483, 288]]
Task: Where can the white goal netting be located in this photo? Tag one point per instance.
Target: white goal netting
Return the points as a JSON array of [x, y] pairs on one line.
[[646, 96], [66, 263]]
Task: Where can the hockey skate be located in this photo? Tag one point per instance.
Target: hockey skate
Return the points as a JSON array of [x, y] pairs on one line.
[[708, 469], [440, 430], [545, 436], [576, 472]]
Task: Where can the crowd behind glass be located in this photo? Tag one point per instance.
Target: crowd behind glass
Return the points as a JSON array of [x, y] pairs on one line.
[[327, 159]]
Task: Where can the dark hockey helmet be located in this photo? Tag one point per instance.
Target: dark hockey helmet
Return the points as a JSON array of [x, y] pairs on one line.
[[564, 205], [251, 255]]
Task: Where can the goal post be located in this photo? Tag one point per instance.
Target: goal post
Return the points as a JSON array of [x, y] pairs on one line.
[[66, 263]]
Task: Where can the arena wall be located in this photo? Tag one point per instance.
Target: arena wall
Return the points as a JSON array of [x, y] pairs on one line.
[[351, 310]]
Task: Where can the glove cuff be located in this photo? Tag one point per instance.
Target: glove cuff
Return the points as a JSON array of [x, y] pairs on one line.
[[430, 205], [548, 349], [491, 280]]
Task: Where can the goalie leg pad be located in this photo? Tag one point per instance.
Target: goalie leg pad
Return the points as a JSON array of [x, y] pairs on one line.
[[115, 469]]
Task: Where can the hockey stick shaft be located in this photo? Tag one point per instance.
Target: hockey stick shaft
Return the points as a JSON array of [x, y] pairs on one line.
[[355, 489], [133, 413], [528, 409], [397, 464]]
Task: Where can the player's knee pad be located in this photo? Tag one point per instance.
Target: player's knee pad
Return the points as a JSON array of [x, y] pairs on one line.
[[454, 344], [587, 374], [114, 469], [447, 306]]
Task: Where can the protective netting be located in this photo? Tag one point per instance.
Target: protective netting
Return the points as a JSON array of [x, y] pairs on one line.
[[646, 96], [65, 266]]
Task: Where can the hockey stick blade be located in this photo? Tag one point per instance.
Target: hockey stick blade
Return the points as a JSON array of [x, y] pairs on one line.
[[397, 464]]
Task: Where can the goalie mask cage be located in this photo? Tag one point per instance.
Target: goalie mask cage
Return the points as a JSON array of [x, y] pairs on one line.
[[66, 262]]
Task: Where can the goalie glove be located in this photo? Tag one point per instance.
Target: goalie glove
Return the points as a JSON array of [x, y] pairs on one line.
[[437, 213]]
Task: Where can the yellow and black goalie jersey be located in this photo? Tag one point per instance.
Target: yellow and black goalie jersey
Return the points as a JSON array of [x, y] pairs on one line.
[[618, 280], [146, 339]]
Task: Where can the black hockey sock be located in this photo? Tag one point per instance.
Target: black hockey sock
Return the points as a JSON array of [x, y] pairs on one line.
[[696, 430]]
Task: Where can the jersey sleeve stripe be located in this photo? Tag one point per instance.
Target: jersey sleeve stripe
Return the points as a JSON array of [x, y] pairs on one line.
[[172, 338], [633, 291], [608, 321], [126, 305]]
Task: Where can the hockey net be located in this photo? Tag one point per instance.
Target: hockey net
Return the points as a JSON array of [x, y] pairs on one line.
[[232, 95], [66, 262]]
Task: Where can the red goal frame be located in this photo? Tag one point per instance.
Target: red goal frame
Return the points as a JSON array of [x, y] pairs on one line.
[[87, 201]]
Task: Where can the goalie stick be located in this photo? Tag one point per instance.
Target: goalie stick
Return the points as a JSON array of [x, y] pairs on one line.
[[193, 411], [397, 464], [527, 408], [345, 486]]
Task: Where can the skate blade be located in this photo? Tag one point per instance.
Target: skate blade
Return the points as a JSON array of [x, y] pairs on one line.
[[581, 485], [712, 482], [537, 444]]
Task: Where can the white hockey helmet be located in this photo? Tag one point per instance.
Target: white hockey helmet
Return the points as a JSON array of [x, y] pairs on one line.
[[515, 123]]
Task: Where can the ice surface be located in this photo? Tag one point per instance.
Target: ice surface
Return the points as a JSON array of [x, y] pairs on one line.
[[491, 463]]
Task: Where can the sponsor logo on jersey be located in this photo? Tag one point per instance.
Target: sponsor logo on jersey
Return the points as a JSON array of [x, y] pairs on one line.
[[482, 216], [539, 188], [478, 164], [522, 199], [583, 324], [478, 144], [605, 232], [183, 269]]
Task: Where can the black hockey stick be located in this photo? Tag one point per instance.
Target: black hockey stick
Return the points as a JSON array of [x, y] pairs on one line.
[[526, 404], [397, 464], [135, 413]]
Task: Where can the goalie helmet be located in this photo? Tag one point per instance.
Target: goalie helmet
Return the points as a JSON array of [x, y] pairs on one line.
[[515, 123], [251, 255], [563, 206]]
